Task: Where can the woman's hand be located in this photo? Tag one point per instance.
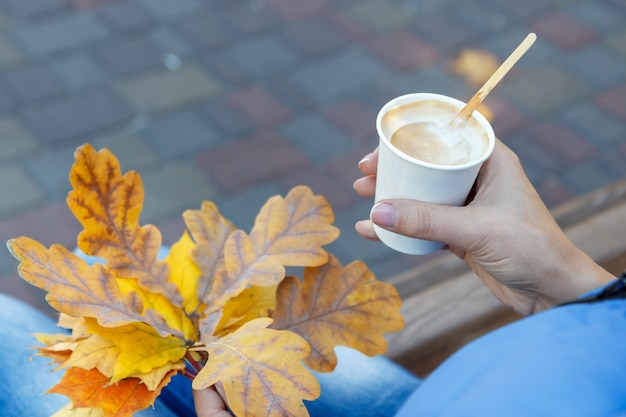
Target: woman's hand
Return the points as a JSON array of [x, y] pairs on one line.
[[505, 234], [209, 402]]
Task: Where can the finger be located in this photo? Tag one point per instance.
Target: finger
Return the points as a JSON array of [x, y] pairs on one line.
[[369, 164], [209, 403], [439, 223], [365, 186], [366, 230]]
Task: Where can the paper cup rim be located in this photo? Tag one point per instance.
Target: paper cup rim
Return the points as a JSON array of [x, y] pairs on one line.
[[415, 97]]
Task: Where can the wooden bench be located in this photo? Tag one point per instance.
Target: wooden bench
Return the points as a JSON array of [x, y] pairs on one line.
[[445, 305]]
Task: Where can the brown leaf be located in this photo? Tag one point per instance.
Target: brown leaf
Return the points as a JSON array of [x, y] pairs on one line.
[[80, 290], [337, 306], [108, 205], [261, 371]]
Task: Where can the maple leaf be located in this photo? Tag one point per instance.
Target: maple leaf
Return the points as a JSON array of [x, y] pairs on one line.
[[108, 205], [91, 389], [260, 370], [78, 289], [338, 306]]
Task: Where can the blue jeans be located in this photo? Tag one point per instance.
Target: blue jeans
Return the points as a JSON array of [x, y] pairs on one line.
[[360, 386]]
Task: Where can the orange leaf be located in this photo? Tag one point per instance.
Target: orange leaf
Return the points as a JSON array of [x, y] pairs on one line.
[[80, 290], [337, 306], [475, 65], [91, 389], [108, 205], [261, 371]]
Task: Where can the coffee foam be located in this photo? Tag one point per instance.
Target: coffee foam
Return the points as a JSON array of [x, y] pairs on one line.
[[424, 130]]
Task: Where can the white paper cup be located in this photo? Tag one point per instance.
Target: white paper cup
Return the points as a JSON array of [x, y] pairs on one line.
[[401, 176]]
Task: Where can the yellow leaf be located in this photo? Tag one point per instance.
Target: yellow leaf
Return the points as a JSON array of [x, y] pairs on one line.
[[80, 290], [97, 352], [141, 349], [184, 273], [153, 379], [108, 205], [69, 411], [261, 371], [252, 303], [337, 306], [475, 66]]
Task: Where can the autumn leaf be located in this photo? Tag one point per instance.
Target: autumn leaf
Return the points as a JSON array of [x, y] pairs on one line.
[[70, 411], [91, 389], [184, 273], [475, 66], [78, 289], [337, 306], [108, 205], [252, 303], [261, 371]]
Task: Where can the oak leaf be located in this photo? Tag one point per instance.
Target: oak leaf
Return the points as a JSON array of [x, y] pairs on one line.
[[337, 306], [70, 411], [91, 389], [260, 370], [108, 205], [78, 289]]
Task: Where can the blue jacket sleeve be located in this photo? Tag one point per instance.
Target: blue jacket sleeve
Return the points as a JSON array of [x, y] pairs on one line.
[[567, 361]]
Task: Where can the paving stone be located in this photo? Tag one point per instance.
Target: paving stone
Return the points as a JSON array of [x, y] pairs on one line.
[[91, 4], [206, 29], [314, 36], [27, 9], [381, 17], [9, 56], [586, 178], [260, 56], [352, 28], [545, 90], [77, 71], [613, 101], [259, 106], [59, 34], [6, 99], [131, 150], [48, 224], [50, 170], [290, 94], [595, 124], [253, 17], [541, 54], [169, 42], [179, 134], [15, 141], [252, 161], [563, 142], [163, 90], [316, 138], [221, 114], [339, 75], [354, 119], [167, 9], [122, 16], [480, 18], [404, 51], [31, 83], [22, 190], [344, 168], [600, 15], [129, 56], [172, 189], [618, 41], [564, 31], [323, 182], [457, 33], [80, 114], [553, 193], [296, 10], [521, 9], [598, 65], [508, 119], [242, 208]]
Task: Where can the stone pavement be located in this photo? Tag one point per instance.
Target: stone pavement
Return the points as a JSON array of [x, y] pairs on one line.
[[237, 100]]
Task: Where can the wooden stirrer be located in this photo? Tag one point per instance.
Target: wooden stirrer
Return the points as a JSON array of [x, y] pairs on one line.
[[495, 78]]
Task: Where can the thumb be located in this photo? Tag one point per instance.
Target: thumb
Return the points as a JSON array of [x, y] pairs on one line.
[[446, 224]]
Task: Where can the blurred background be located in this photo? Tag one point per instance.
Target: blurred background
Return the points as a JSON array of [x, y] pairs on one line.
[[235, 101]]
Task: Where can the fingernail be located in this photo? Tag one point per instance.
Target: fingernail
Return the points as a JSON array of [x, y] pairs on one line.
[[384, 215], [365, 159]]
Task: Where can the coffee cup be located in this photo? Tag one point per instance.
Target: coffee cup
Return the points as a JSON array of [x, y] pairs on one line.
[[426, 154]]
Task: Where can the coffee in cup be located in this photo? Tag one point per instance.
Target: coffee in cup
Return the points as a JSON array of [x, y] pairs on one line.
[[426, 154]]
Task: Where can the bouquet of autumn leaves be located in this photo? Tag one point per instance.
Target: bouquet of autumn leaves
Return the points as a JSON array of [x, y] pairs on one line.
[[219, 307]]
